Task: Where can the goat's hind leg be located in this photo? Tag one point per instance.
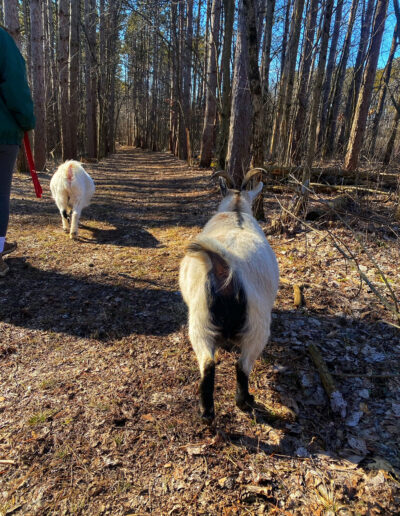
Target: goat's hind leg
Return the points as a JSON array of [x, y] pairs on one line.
[[250, 353], [205, 356], [75, 216], [65, 219]]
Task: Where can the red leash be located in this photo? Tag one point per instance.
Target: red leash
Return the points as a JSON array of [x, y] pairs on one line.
[[35, 179]]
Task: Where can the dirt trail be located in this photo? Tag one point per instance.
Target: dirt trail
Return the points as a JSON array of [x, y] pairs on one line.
[[98, 382]]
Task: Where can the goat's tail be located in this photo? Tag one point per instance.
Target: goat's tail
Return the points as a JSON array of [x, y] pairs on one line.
[[226, 297], [69, 170], [211, 253]]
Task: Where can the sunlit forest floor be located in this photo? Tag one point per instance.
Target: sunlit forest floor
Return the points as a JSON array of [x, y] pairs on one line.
[[98, 382]]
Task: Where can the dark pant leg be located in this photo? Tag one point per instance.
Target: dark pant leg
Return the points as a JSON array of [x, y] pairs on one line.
[[8, 156]]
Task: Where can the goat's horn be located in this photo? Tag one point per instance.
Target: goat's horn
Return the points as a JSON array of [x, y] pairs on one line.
[[225, 175], [252, 172]]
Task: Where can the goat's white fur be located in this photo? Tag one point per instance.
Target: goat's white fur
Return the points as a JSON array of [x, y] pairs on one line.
[[251, 258], [72, 189]]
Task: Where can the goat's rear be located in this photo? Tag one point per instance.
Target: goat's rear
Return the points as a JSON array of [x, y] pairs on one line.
[[72, 189]]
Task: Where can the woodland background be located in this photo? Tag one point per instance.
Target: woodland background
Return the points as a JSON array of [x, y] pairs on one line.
[[283, 82]]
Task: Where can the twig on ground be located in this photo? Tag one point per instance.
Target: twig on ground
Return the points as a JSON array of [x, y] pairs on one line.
[[336, 399]]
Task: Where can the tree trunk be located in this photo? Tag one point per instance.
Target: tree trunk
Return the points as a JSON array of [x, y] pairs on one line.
[[299, 205], [91, 78], [39, 89], [329, 70], [258, 132], [223, 136], [382, 95], [63, 58], [361, 113], [392, 139], [336, 95], [352, 96], [238, 157], [74, 78], [278, 143], [208, 136], [265, 66], [296, 145], [11, 20]]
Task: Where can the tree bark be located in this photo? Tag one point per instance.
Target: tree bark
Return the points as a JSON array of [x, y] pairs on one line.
[[238, 158], [91, 78], [361, 113], [296, 145], [208, 136], [223, 136], [39, 89], [326, 89], [74, 78], [336, 95], [352, 96], [11, 20], [382, 94], [63, 61], [278, 143]]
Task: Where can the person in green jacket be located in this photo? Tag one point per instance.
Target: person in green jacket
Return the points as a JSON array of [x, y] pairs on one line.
[[16, 117]]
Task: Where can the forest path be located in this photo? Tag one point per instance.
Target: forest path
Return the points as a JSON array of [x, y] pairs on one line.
[[98, 382]]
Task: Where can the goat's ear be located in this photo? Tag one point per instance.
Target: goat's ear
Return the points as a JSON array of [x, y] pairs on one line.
[[223, 187], [253, 193]]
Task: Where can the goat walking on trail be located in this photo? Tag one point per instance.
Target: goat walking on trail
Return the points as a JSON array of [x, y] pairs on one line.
[[72, 189], [229, 278]]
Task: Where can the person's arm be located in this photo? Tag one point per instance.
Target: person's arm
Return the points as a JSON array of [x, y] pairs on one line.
[[14, 88]]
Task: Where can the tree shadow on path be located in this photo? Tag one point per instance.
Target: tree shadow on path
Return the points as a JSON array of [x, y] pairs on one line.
[[50, 301]]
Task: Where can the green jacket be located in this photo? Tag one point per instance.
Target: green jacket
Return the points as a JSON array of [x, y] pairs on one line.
[[16, 106]]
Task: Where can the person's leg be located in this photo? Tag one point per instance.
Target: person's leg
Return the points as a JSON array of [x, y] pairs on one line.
[[8, 156]]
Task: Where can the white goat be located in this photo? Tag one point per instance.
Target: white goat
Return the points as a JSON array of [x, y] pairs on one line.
[[229, 279], [72, 188]]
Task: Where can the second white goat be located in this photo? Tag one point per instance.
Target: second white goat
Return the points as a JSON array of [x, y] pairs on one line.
[[229, 279], [72, 189]]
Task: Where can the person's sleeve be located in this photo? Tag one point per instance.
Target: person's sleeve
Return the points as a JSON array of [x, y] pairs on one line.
[[14, 88]]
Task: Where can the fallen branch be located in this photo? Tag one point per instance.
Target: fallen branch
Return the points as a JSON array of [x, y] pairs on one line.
[[367, 375], [382, 177], [336, 399], [7, 461], [346, 188]]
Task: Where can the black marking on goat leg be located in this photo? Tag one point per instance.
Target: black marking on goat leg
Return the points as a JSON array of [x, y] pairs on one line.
[[207, 393], [244, 400], [64, 214]]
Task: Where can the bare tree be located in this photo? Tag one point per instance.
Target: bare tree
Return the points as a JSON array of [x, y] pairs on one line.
[[364, 99], [352, 95], [11, 20], [337, 89], [63, 64], [74, 77], [208, 136], [382, 94], [222, 140], [238, 158], [39, 89], [297, 131], [91, 78]]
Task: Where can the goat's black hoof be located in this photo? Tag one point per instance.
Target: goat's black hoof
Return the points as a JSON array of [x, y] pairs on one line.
[[245, 403], [207, 416]]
